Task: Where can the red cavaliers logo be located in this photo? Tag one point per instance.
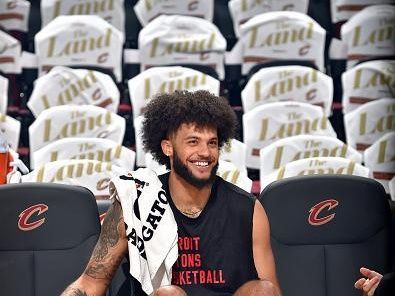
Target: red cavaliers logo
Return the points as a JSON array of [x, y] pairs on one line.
[[316, 210], [23, 222]]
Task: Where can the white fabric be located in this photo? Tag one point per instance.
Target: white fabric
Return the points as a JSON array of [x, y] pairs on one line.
[[3, 95], [76, 40], [235, 152], [140, 153], [283, 151], [380, 159], [342, 10], [152, 164], [337, 49], [391, 185], [369, 122], [14, 177], [66, 86], [14, 15], [231, 173], [288, 83], [29, 60], [103, 150], [147, 10], [366, 82], [112, 11], [269, 122], [282, 35], [92, 174], [11, 128], [316, 166], [369, 34], [234, 56], [151, 231], [166, 80], [67, 121], [10, 54], [181, 40], [243, 10]]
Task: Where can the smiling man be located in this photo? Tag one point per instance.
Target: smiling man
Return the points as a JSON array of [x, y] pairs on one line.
[[223, 232], [224, 242]]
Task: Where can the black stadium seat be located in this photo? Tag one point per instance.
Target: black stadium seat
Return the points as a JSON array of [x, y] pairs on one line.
[[386, 286], [47, 234], [323, 229]]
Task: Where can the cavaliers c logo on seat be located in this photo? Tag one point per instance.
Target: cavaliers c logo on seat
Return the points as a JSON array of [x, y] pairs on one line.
[[315, 218], [24, 224]]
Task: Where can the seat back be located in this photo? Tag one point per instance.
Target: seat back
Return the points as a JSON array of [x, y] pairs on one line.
[[48, 232], [146, 11], [288, 83], [366, 82], [99, 149], [178, 39], [92, 174], [84, 121], [105, 51], [242, 11], [68, 86], [111, 11], [259, 44], [10, 55], [234, 174], [235, 152], [150, 82], [360, 31], [369, 122], [3, 94], [273, 121], [11, 128], [323, 229], [379, 159], [315, 166], [283, 151]]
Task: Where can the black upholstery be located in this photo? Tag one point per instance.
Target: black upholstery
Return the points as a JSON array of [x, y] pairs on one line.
[[386, 286], [325, 259], [103, 205], [44, 260]]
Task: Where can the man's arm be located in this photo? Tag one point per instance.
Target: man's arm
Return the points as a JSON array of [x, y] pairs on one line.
[[106, 257], [262, 250]]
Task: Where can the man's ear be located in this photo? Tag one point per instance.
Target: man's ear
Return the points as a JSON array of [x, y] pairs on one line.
[[167, 147]]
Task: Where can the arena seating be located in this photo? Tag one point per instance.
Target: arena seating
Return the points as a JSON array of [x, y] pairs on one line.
[[311, 57]]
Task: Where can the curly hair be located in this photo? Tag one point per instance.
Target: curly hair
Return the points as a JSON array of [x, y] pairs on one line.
[[165, 113]]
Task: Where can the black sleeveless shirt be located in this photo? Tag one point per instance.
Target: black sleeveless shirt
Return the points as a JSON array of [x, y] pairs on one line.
[[215, 254]]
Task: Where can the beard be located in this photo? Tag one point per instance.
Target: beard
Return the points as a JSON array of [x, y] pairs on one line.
[[183, 171]]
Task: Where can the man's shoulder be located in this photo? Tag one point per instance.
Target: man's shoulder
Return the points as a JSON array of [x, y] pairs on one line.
[[233, 191]]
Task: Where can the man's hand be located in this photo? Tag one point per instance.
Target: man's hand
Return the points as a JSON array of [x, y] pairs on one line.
[[369, 282]]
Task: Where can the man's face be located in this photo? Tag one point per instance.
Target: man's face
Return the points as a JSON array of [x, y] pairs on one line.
[[194, 154]]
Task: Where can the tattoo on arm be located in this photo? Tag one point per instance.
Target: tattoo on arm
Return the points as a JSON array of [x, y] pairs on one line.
[[70, 291], [109, 235], [103, 263]]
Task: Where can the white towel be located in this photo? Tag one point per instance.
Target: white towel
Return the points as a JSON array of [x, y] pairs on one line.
[[150, 227]]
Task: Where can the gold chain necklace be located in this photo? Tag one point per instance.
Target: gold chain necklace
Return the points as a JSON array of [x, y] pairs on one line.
[[191, 214]]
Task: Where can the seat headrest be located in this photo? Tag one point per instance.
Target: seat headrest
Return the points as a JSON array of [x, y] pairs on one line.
[[325, 209], [36, 216]]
